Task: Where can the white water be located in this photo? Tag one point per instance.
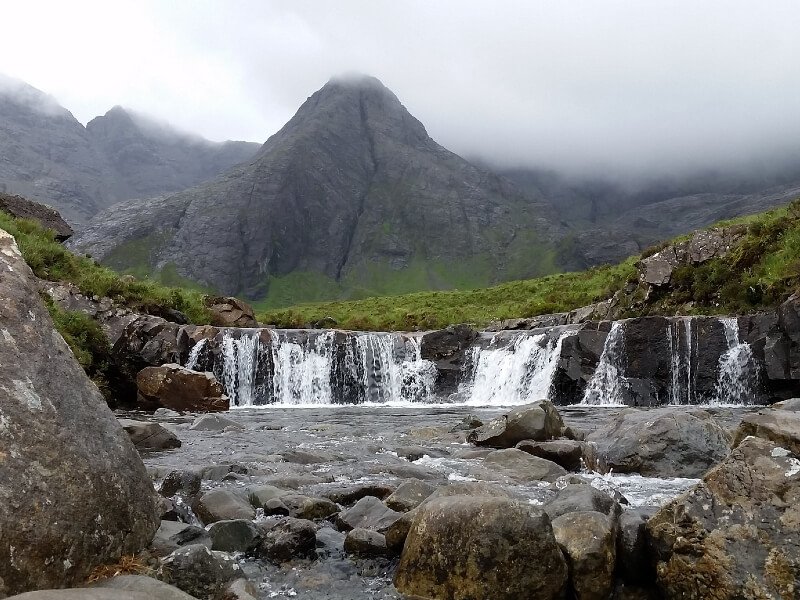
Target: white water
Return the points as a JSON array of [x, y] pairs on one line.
[[194, 354], [682, 383], [606, 385], [302, 372], [737, 380], [239, 368], [516, 374]]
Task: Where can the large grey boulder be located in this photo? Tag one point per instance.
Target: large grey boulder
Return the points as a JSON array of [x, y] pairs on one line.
[[779, 426], [198, 571], [480, 547], [223, 505], [123, 587], [664, 442], [582, 498], [148, 436], [178, 388], [588, 540], [521, 466], [74, 493], [538, 421], [367, 513], [736, 534]]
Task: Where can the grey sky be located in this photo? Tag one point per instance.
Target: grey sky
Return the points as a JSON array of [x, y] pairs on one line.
[[571, 84]]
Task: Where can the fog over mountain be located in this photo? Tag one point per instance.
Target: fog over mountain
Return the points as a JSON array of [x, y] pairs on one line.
[[627, 89]]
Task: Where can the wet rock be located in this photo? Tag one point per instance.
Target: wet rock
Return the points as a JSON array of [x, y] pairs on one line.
[[480, 547], [74, 493], [139, 584], [779, 426], [566, 453], [367, 513], [175, 387], [301, 457], [199, 571], [223, 505], [240, 589], [215, 423], [447, 348], [521, 466], [230, 312], [470, 488], [409, 495], [365, 542], [633, 555], [397, 532], [275, 507], [286, 539], [219, 472], [262, 494], [588, 540], [183, 482], [538, 421], [171, 535], [148, 436], [414, 453], [349, 494], [238, 535], [329, 542], [306, 507], [468, 423], [792, 404], [736, 534], [665, 442], [582, 498], [404, 470]]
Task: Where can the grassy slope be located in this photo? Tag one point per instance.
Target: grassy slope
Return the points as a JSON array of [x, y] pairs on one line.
[[761, 271]]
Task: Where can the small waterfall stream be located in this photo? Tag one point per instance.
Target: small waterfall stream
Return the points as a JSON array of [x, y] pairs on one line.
[[606, 384], [679, 333], [737, 381], [194, 354]]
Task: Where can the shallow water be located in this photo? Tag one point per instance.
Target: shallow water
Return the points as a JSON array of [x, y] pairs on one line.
[[352, 444]]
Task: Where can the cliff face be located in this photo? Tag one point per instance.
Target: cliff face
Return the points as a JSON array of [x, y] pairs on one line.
[[350, 196], [47, 155]]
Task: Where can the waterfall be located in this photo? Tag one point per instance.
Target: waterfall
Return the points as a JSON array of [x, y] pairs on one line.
[[302, 371], [388, 369], [738, 377], [682, 380], [518, 373], [240, 361], [194, 354], [606, 385]]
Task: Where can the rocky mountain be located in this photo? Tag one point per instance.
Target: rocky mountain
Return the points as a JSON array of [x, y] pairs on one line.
[[350, 197], [48, 155]]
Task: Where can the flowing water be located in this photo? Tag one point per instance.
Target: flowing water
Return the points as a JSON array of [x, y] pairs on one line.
[[606, 387], [737, 382]]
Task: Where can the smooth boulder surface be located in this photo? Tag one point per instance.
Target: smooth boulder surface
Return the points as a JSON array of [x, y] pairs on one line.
[[155, 589], [364, 542], [538, 421], [214, 423], [223, 505], [663, 442], [521, 466], [588, 540], [177, 388], [779, 426], [463, 548], [578, 497], [368, 513], [736, 534], [74, 493], [408, 495], [570, 454], [148, 436]]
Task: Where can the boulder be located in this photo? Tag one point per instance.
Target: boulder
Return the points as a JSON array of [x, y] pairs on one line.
[[736, 534], [241, 589], [569, 454], [148, 436], [633, 552], [237, 535], [579, 497], [779, 426], [74, 493], [184, 482], [220, 472], [468, 423], [588, 540], [414, 453], [480, 547], [171, 535], [175, 387], [306, 507], [230, 312], [521, 466], [349, 494], [447, 349], [49, 218], [538, 421], [329, 542], [139, 584], [367, 513], [664, 442], [409, 494], [215, 423], [198, 571], [792, 404], [223, 505], [288, 538], [364, 542]]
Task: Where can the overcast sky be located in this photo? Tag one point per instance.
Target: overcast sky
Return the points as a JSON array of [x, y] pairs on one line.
[[569, 84]]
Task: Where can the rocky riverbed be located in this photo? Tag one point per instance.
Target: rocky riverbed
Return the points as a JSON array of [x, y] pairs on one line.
[[346, 453]]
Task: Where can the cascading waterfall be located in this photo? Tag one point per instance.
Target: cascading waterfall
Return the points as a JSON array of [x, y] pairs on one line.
[[240, 357], [682, 379], [738, 377], [194, 354], [302, 372], [519, 373], [606, 385]]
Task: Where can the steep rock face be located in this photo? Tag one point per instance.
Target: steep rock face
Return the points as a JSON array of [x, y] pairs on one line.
[[47, 155], [73, 491], [351, 194]]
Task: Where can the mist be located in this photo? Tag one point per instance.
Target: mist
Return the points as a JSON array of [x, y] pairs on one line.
[[588, 88]]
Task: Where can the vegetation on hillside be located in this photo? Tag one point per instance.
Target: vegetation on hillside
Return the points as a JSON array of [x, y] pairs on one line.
[[761, 270]]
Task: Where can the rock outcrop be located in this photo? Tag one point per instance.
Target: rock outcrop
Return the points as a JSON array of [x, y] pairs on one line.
[[73, 491], [19, 207], [539, 421], [230, 312], [174, 387], [737, 534]]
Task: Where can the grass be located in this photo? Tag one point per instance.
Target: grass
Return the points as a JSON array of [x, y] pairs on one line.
[[52, 262]]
